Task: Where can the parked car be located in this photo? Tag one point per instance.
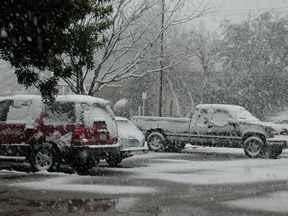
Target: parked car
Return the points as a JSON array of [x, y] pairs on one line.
[[76, 129], [132, 139], [215, 125]]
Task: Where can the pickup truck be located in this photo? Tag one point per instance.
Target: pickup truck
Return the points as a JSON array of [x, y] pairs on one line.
[[214, 125]]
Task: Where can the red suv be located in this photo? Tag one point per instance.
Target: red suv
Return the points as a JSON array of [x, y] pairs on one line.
[[76, 129]]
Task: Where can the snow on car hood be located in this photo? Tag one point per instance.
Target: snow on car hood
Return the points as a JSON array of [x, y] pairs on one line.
[[276, 127], [128, 130]]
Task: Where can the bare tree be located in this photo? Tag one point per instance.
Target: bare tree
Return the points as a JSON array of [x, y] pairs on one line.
[[131, 48], [204, 50]]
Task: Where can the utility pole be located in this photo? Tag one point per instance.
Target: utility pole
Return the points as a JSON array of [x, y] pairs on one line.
[[161, 62]]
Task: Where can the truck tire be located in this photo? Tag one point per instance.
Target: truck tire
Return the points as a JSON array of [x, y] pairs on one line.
[[274, 151], [253, 146], [156, 141], [44, 157], [177, 146]]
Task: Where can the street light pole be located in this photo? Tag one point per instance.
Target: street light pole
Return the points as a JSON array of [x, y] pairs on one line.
[[161, 62]]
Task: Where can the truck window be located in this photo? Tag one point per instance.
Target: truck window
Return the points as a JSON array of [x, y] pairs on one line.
[[220, 118]]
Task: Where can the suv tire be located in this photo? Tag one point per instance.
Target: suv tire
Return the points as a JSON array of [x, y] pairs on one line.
[[114, 161], [83, 167], [43, 157], [274, 151]]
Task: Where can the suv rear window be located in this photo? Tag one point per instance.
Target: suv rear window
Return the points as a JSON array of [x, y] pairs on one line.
[[99, 112], [59, 113]]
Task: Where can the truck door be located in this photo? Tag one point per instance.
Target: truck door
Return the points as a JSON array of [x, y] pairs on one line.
[[198, 127], [221, 131]]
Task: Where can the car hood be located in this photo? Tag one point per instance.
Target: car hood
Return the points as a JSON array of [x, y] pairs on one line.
[[135, 134], [272, 125]]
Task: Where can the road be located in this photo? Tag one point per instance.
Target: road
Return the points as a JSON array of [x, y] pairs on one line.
[[201, 183]]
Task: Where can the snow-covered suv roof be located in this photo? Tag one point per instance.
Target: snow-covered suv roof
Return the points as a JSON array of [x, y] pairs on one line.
[[74, 98]]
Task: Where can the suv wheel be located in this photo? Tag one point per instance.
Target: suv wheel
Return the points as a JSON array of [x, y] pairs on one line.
[[253, 147], [43, 157], [83, 166], [156, 141], [114, 161]]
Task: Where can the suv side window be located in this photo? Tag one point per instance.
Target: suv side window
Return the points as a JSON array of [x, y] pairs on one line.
[[4, 108], [220, 117], [59, 113], [19, 111]]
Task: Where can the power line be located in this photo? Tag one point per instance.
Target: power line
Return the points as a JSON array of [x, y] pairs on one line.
[[239, 12]]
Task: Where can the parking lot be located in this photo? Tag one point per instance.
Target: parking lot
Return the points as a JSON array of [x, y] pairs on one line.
[[198, 181]]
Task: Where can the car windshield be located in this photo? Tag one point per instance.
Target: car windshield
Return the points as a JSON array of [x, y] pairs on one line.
[[243, 115]]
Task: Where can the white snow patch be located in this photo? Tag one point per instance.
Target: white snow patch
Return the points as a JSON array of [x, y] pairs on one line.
[[61, 140], [5, 172], [214, 172], [274, 202], [69, 183], [206, 149], [124, 204]]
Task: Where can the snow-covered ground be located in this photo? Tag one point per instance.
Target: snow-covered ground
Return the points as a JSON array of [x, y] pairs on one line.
[[194, 172]]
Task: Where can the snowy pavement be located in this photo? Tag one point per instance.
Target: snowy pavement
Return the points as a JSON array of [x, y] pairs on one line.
[[162, 167]]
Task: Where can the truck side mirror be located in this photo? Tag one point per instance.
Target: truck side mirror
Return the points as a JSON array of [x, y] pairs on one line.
[[232, 122]]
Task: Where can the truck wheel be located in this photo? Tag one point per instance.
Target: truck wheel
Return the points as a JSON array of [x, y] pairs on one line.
[[43, 157], [114, 161], [180, 146], [253, 146], [156, 141], [177, 146], [274, 151]]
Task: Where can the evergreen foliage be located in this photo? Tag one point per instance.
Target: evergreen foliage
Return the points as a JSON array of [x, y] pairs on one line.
[[35, 34]]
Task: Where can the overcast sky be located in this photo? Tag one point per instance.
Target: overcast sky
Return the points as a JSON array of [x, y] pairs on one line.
[[237, 10]]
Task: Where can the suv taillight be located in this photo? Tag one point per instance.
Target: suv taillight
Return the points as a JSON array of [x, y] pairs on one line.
[[80, 132]]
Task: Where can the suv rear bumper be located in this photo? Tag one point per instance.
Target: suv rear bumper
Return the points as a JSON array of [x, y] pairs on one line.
[[95, 151]]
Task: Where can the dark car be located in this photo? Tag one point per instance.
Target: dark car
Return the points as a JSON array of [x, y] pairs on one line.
[[79, 130], [214, 125]]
